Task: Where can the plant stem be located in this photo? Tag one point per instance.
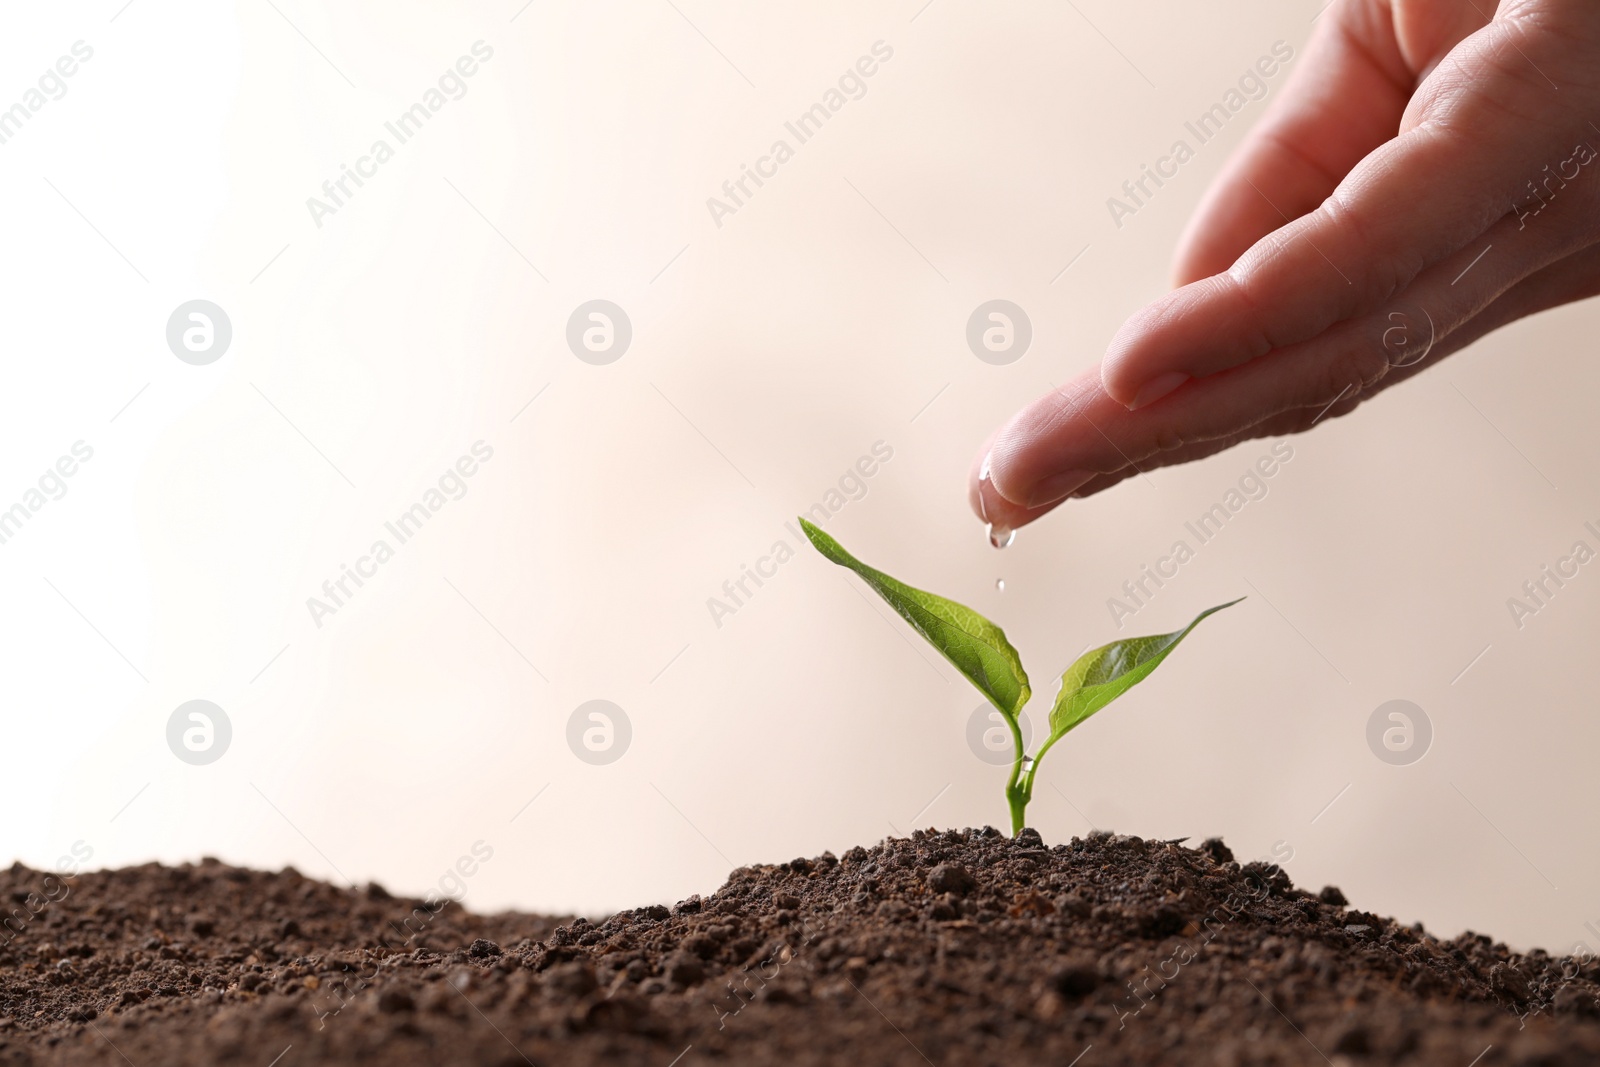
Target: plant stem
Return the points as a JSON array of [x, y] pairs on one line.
[[1020, 793], [1016, 796], [1027, 781], [1019, 805]]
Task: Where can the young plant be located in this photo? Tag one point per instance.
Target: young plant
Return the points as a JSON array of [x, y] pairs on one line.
[[979, 650]]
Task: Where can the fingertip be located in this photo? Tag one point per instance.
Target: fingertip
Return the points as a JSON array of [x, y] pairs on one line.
[[976, 475], [1003, 518], [1134, 355], [1117, 374], [1193, 332], [1000, 514], [992, 479]]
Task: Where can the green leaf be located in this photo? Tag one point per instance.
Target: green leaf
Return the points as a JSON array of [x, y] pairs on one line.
[[976, 646], [1101, 676]]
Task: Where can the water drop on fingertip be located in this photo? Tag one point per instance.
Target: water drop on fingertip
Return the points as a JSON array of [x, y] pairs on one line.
[[1001, 536]]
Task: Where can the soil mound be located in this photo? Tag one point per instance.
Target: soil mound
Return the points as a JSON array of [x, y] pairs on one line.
[[954, 947]]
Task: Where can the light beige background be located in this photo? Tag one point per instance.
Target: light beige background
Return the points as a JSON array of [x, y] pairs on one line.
[[768, 354]]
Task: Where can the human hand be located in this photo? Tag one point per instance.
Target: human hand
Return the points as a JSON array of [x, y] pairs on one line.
[[1442, 171]]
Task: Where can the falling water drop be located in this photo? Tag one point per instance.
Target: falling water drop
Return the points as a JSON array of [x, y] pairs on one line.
[[1000, 584], [1001, 536]]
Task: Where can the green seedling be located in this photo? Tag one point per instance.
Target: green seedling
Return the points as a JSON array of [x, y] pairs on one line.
[[979, 650]]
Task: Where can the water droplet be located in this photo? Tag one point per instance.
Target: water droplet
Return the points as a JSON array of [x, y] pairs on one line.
[[1000, 584], [999, 536]]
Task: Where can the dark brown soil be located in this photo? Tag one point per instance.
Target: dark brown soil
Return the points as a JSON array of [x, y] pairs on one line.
[[948, 948]]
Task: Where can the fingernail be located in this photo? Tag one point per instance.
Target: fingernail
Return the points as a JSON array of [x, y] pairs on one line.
[[1156, 388], [1057, 487]]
